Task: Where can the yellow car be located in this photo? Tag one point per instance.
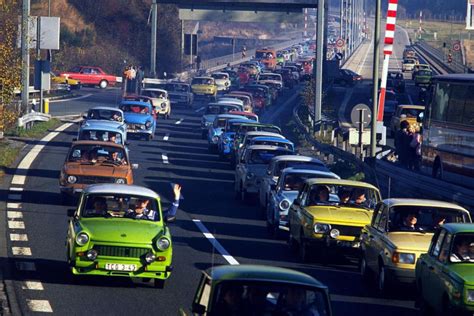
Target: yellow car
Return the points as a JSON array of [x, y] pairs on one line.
[[400, 232], [204, 86], [410, 113], [328, 214], [73, 83]]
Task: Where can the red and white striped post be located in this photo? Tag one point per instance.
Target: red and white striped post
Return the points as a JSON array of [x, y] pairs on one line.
[[387, 51]]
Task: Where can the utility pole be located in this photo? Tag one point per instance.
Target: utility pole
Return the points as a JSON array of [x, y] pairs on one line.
[[341, 14], [320, 57], [38, 58], [375, 74], [154, 12], [25, 55]]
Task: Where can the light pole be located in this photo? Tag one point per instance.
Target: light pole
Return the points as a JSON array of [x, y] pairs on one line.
[[320, 57], [154, 11], [25, 55]]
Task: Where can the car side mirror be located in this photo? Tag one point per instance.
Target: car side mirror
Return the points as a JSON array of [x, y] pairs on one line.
[[198, 309], [71, 212], [134, 166]]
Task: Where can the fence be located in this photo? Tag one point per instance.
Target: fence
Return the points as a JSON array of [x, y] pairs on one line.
[[439, 56]]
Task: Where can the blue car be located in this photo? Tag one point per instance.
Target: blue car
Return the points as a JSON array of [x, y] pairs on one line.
[[217, 128], [273, 141], [225, 143], [140, 118], [103, 131]]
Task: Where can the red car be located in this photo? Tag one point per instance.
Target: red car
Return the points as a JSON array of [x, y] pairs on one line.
[[90, 76]]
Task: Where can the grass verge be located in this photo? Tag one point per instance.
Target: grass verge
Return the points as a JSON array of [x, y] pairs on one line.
[[8, 153], [37, 131]]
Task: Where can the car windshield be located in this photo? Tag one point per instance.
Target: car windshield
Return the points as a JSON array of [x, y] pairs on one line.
[[154, 94], [272, 143], [408, 61], [423, 218], [343, 195], [103, 114], [220, 122], [424, 73], [300, 164], [269, 77], [295, 181], [267, 298], [220, 76], [206, 81], [121, 206], [263, 156], [253, 128], [411, 112], [135, 108], [221, 109], [97, 154], [178, 88], [100, 135], [463, 248]]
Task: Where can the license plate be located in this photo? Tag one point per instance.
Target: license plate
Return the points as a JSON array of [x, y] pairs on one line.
[[120, 267], [131, 130]]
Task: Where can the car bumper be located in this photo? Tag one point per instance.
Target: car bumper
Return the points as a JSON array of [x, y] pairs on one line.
[[139, 132], [399, 275], [342, 245], [162, 111], [72, 190]]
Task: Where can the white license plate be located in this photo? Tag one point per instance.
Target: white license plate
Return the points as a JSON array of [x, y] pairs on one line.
[[120, 267]]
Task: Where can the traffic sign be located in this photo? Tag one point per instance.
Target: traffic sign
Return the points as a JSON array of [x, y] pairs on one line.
[[366, 115], [457, 47], [340, 42]]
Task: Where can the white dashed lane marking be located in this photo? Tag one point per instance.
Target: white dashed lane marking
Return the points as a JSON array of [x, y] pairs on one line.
[[32, 285], [21, 251], [41, 306], [18, 237], [16, 225], [16, 189], [25, 266], [14, 214], [166, 137], [165, 158], [200, 109], [13, 205], [179, 122], [215, 243]]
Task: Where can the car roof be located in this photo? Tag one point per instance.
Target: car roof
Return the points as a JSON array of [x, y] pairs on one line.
[[312, 171], [222, 104], [154, 90], [263, 133], [246, 272], [456, 228], [219, 73], [96, 142], [273, 138], [110, 108], [120, 189], [422, 202], [243, 113], [230, 116], [297, 158], [267, 147], [131, 102], [411, 106], [101, 124], [342, 182], [203, 78]]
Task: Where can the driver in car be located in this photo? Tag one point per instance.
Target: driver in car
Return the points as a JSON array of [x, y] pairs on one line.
[[115, 158]]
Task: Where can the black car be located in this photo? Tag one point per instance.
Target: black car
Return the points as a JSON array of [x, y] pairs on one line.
[[398, 81], [347, 77]]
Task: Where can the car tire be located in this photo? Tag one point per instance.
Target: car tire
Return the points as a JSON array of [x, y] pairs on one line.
[[204, 134], [103, 84], [292, 243], [383, 285], [437, 171], [159, 283], [148, 138], [303, 252], [364, 271]]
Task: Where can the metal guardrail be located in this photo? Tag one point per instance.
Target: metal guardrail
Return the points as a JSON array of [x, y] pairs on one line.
[[439, 56]]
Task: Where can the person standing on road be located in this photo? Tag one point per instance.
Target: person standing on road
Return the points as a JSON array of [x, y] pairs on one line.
[[198, 63], [400, 140], [415, 147]]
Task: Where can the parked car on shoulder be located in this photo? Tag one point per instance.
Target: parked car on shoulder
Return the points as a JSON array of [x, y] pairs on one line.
[[161, 101], [88, 75], [106, 238], [400, 232], [140, 118], [444, 275], [277, 290], [285, 191], [328, 215]]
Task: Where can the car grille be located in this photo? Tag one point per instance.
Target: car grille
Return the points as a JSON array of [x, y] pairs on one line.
[[348, 230], [135, 126], [115, 251], [94, 179]]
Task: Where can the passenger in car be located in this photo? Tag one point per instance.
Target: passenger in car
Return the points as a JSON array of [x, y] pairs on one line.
[[100, 207], [409, 223], [320, 195]]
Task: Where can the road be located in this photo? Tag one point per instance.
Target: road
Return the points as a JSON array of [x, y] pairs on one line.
[[208, 199]]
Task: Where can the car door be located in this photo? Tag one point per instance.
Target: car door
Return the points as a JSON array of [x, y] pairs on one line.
[[439, 280], [377, 237], [429, 285], [367, 236], [295, 212], [86, 75]]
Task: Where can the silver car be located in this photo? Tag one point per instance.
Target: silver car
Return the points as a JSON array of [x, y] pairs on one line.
[[252, 167], [285, 192], [217, 128]]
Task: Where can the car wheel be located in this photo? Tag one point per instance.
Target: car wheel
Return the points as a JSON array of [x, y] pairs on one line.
[[437, 170], [303, 250], [204, 134], [382, 283], [447, 309], [103, 84], [243, 194], [159, 283], [363, 267], [292, 244]]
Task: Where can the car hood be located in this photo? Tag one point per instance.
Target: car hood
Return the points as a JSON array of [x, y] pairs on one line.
[[74, 168], [462, 272], [413, 241], [221, 81], [135, 118], [340, 215], [179, 94], [136, 231]]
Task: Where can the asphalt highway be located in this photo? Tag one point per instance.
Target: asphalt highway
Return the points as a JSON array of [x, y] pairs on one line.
[[209, 203]]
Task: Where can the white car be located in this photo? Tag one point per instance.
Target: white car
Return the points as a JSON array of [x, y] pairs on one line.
[[160, 99], [222, 81], [271, 78]]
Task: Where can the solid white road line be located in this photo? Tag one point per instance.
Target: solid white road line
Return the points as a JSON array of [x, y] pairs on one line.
[[13, 205], [16, 189], [21, 251], [41, 306], [72, 99], [166, 137], [16, 225], [33, 285], [14, 197], [365, 57], [18, 237], [25, 266], [372, 300], [200, 109], [215, 243], [165, 158], [14, 214], [179, 122]]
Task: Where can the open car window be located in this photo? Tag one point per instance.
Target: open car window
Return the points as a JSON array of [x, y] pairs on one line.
[[120, 206], [462, 250], [263, 156]]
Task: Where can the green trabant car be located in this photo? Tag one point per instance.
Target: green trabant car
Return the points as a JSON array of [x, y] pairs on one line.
[[103, 239], [329, 214], [445, 275], [258, 290], [423, 77]]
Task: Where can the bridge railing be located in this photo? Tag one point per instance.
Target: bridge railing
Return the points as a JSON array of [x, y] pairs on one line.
[[439, 55]]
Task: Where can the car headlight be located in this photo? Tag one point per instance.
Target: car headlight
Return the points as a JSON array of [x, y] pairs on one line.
[[150, 257], [148, 125], [470, 295], [321, 228], [82, 239], [405, 258], [226, 140], [284, 205], [120, 181], [163, 243], [208, 124], [250, 175], [92, 254], [215, 139], [163, 105], [71, 179], [334, 233]]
